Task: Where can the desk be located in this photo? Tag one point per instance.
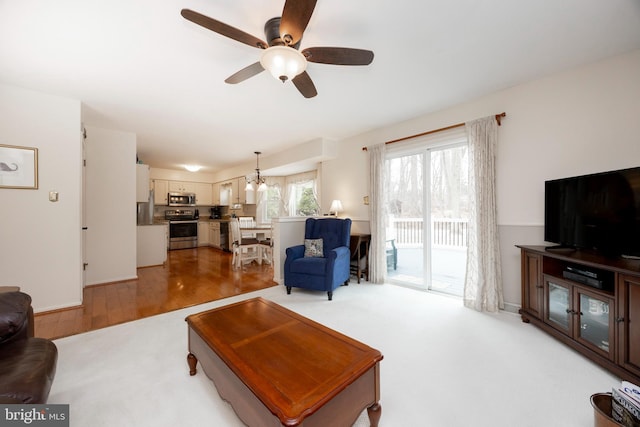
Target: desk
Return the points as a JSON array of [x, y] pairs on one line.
[[359, 247], [276, 367]]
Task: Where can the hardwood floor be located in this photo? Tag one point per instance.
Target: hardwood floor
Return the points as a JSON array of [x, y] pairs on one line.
[[189, 277]]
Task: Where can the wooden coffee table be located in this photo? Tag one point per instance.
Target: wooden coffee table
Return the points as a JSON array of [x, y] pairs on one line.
[[276, 367]]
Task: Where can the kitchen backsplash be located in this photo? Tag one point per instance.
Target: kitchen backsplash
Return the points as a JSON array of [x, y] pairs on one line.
[[246, 210]]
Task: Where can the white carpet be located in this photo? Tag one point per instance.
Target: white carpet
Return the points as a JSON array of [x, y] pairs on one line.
[[444, 365]]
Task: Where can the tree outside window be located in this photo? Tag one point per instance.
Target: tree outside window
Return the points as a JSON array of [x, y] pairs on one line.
[[307, 203], [302, 200]]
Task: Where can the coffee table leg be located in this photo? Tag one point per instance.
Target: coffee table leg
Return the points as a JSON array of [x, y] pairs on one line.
[[375, 412], [192, 361]]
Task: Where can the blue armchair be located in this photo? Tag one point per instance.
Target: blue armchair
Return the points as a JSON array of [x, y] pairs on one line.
[[325, 271]]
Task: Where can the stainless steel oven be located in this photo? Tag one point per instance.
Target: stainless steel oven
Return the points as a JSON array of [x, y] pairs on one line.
[[183, 229]]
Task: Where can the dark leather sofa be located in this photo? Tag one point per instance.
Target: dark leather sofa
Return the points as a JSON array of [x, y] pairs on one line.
[[27, 364]]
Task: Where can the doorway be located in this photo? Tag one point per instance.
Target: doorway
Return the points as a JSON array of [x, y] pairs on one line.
[[427, 216]]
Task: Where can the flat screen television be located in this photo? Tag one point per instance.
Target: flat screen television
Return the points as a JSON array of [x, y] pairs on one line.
[[599, 211]]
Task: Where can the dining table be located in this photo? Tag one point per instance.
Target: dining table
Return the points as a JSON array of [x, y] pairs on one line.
[[261, 232]]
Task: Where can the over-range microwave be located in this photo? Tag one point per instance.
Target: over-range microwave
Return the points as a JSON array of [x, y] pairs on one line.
[[181, 199]]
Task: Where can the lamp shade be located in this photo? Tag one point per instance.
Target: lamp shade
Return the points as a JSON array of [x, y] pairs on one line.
[[284, 63], [336, 207]]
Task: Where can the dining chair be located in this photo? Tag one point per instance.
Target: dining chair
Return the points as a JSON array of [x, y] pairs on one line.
[[247, 222], [243, 249]]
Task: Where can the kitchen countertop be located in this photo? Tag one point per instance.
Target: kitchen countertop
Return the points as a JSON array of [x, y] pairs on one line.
[[162, 221]]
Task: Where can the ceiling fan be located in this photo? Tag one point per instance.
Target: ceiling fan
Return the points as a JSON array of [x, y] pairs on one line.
[[281, 55]]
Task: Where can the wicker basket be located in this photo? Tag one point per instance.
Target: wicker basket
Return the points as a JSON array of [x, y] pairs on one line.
[[601, 403]]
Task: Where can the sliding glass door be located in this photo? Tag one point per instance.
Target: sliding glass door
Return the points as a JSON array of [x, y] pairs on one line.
[[427, 208]]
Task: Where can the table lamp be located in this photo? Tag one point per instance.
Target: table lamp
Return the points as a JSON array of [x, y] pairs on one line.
[[336, 208]]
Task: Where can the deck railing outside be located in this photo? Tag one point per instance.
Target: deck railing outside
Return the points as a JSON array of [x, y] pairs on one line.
[[445, 232]]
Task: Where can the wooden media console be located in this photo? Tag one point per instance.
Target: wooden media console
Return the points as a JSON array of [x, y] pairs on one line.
[[588, 301]]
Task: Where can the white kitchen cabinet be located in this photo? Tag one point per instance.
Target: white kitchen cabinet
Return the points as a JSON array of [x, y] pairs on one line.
[[203, 233], [214, 233], [182, 186], [240, 193], [142, 183], [204, 194], [244, 196], [160, 190], [238, 190], [235, 192], [215, 193], [151, 245]]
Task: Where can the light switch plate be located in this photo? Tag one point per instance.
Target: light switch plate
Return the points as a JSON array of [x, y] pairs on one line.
[[53, 196]]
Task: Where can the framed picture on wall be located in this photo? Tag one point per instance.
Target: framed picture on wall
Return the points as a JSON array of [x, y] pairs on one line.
[[18, 167]]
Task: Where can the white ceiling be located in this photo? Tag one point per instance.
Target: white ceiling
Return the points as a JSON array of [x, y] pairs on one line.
[[138, 66]]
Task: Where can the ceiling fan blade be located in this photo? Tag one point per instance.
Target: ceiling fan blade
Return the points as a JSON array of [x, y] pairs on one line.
[[295, 17], [222, 28], [305, 85], [245, 73], [338, 55]]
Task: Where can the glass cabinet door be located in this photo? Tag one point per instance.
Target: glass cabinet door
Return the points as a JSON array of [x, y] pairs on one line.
[[558, 309], [595, 321]]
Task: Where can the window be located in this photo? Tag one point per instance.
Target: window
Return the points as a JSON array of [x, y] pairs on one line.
[[303, 200], [428, 210], [294, 195], [270, 202], [301, 194]]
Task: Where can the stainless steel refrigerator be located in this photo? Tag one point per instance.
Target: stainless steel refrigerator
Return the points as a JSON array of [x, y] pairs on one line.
[[145, 210]]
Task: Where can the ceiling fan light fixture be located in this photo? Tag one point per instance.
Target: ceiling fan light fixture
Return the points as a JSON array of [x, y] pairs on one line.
[[284, 63]]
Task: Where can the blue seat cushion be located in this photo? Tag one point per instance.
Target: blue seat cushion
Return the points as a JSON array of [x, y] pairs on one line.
[[314, 266]]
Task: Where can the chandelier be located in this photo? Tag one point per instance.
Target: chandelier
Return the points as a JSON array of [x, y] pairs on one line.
[[262, 186]]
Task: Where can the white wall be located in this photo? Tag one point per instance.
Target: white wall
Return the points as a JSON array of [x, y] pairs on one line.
[[110, 206], [577, 122], [40, 241]]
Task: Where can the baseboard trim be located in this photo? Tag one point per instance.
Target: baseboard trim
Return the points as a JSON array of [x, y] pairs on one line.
[[111, 282], [511, 308], [53, 310]]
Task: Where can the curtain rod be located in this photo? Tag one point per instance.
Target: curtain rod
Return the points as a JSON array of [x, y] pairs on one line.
[[497, 116]]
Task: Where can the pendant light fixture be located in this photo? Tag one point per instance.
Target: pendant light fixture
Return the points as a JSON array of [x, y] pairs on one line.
[[262, 186]]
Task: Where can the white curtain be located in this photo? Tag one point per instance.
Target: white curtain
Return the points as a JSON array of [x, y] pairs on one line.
[[291, 181], [275, 185], [483, 281], [377, 179], [261, 199]]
